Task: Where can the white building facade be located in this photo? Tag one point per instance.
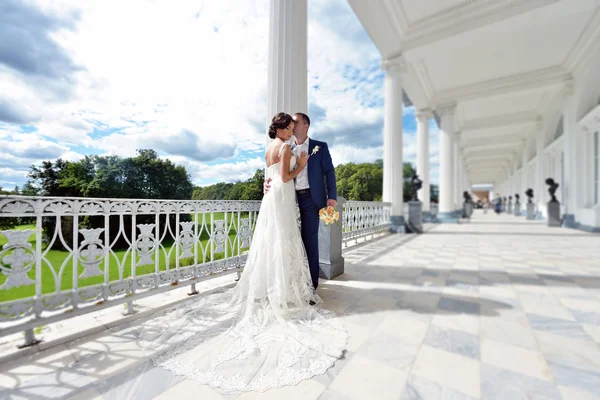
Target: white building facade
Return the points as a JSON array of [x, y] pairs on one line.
[[513, 84], [516, 87]]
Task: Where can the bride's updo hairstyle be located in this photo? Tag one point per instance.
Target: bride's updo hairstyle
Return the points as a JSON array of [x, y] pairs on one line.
[[279, 121]]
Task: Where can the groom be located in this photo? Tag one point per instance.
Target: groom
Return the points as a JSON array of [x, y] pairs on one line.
[[315, 189]]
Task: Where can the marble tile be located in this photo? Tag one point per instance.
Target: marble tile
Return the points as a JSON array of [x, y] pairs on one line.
[[501, 384], [189, 390], [587, 303], [357, 334], [586, 317], [570, 352], [330, 375], [457, 305], [143, 381], [408, 330], [574, 394], [557, 326], [363, 377], [498, 292], [454, 341], [587, 381], [389, 350], [419, 302], [89, 394], [516, 359], [508, 332], [305, 390], [544, 305], [62, 383], [461, 322], [459, 373], [15, 373], [593, 331], [330, 394], [418, 388]]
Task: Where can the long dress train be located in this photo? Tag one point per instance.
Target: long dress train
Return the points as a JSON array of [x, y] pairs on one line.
[[261, 334]]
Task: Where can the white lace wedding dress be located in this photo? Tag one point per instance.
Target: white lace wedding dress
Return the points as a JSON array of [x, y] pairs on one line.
[[261, 334]]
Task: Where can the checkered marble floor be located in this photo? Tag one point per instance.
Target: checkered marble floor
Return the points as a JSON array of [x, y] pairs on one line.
[[494, 308]]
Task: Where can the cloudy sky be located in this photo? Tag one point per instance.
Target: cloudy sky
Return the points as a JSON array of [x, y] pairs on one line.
[[186, 78]]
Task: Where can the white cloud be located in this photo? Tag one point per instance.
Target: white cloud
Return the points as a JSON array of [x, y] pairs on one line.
[[187, 78]]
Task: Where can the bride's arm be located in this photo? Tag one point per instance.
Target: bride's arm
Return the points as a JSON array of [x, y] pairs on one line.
[[286, 174]]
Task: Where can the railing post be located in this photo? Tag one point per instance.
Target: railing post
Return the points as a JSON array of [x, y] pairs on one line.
[[193, 290], [331, 262], [30, 339]]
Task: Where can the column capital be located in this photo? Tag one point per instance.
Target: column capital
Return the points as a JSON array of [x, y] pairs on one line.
[[447, 109], [568, 88], [394, 65], [423, 115]]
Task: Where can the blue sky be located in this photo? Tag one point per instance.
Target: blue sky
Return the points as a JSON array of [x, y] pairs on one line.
[[189, 81]]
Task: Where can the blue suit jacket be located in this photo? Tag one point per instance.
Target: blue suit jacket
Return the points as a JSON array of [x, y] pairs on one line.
[[321, 174]]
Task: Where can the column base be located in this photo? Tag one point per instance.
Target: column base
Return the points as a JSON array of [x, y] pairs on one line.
[[331, 270], [569, 221], [398, 224], [447, 217], [427, 216]]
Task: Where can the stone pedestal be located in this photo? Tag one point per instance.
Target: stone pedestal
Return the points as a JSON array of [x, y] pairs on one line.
[[530, 211], [331, 262], [509, 207], [415, 217], [517, 209], [553, 213], [467, 210]]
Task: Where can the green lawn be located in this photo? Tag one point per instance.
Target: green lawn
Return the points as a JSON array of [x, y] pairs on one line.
[[56, 259]]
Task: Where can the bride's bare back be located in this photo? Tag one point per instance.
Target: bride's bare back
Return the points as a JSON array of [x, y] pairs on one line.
[[280, 152]]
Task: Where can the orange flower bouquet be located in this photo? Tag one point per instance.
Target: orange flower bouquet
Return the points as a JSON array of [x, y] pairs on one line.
[[329, 215]]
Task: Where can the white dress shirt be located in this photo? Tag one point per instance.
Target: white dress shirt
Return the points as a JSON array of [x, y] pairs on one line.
[[302, 177]]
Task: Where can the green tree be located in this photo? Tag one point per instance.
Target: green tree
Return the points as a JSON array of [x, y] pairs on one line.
[[253, 187], [145, 176]]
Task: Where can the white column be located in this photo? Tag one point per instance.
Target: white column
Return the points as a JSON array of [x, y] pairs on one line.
[[446, 205], [456, 177], [570, 184], [539, 171], [287, 88], [525, 175], [423, 117], [392, 141]]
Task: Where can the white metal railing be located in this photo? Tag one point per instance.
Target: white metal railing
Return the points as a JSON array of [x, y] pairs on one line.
[[61, 257], [104, 252], [364, 218]]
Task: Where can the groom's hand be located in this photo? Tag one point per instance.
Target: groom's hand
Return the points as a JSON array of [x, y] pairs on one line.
[[267, 186], [331, 202]]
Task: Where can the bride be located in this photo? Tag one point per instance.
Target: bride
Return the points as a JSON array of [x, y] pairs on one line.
[[263, 333]]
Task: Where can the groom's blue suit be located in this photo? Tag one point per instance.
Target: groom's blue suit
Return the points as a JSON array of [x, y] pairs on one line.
[[321, 179]]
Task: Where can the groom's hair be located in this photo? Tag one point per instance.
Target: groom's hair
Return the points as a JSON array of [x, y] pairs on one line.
[[305, 118]]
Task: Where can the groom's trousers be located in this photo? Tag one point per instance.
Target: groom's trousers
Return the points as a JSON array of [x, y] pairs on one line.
[[309, 217]]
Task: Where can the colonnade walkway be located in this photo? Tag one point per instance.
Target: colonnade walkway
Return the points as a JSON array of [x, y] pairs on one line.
[[494, 308]]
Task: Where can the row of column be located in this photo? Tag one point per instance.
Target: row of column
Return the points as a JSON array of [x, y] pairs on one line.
[[564, 164], [453, 171], [287, 91]]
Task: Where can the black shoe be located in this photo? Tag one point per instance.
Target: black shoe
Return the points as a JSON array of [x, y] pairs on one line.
[[312, 303]]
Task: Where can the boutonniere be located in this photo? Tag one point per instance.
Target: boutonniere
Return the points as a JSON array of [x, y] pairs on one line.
[[315, 150]]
